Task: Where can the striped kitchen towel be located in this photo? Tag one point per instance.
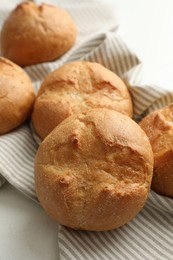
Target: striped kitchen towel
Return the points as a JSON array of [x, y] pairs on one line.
[[150, 234]]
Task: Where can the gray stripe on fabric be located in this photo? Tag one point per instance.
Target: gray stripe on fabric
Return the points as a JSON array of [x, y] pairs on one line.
[[124, 53], [17, 182], [134, 76], [167, 217], [117, 59], [149, 238], [107, 247], [102, 58], [75, 243], [113, 239], [68, 250], [86, 48], [98, 243], [162, 203], [129, 63], [142, 241], [154, 229], [28, 154], [86, 237], [16, 178], [75, 234], [127, 237], [160, 224], [33, 73], [64, 251]]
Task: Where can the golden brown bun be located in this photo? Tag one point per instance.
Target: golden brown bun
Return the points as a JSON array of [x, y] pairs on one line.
[[159, 127], [78, 87], [93, 171], [36, 33], [16, 95]]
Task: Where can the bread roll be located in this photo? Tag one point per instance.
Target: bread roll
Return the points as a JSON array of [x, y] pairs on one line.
[[16, 96], [78, 87], [36, 33], [93, 171], [158, 125]]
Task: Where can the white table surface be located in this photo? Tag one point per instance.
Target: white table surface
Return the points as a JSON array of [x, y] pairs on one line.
[[26, 232]]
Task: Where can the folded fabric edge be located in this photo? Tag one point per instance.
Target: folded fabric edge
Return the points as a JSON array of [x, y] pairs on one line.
[[17, 185]]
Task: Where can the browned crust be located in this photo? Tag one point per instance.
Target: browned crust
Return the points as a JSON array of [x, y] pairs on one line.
[[78, 87], [159, 127], [36, 33], [16, 96], [93, 171]]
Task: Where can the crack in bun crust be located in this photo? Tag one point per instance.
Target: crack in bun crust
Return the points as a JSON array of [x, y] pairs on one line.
[[34, 33], [158, 126], [75, 88], [93, 171]]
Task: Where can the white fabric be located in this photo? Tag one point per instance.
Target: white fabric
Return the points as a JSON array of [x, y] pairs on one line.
[[149, 235]]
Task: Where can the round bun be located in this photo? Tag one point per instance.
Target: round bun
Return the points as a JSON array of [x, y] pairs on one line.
[[158, 125], [36, 33], [78, 87], [16, 96], [93, 171]]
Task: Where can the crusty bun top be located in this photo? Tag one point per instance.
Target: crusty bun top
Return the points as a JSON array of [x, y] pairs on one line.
[[94, 170], [16, 95], [36, 33], [78, 87], [158, 126]]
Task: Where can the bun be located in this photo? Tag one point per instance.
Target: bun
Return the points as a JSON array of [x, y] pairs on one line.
[[36, 33], [16, 96], [78, 87], [93, 171], [158, 125]]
